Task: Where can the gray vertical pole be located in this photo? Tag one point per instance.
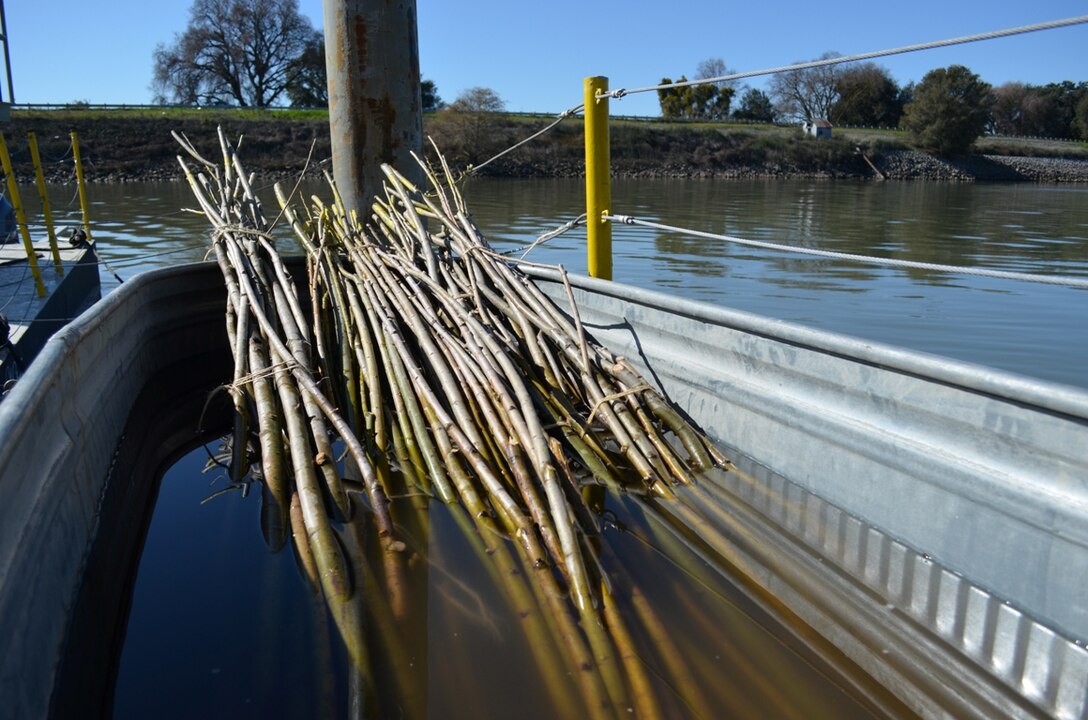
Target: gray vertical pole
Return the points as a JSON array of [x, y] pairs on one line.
[[375, 111], [7, 54]]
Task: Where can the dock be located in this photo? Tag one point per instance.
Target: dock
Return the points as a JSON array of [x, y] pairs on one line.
[[31, 317]]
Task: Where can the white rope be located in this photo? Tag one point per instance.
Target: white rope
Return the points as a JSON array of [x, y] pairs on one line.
[[1003, 274], [561, 117], [855, 58]]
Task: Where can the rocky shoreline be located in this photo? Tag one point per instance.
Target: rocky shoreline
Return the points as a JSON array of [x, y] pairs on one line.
[[118, 150], [913, 165], [906, 165]]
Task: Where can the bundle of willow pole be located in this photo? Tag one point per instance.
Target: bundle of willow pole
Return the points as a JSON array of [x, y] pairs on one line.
[[431, 353]]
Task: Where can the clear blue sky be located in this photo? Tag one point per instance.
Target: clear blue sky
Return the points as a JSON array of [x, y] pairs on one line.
[[536, 54]]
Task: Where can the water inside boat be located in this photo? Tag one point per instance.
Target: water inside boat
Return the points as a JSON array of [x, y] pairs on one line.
[[219, 626]]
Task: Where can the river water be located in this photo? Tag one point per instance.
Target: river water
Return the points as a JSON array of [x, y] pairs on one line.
[[219, 626], [1028, 328]]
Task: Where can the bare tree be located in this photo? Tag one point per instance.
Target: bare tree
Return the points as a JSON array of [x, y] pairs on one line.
[[478, 100], [712, 68], [471, 122], [1008, 110], [807, 94], [242, 52], [716, 107]]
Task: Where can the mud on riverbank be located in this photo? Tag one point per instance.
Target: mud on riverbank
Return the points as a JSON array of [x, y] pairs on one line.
[[128, 149]]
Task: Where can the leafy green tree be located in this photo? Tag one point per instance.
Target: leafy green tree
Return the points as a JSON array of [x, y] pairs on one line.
[[699, 97], [755, 105], [1080, 121], [309, 84], [1047, 110], [906, 95], [694, 102], [868, 97], [241, 52], [1056, 109], [719, 108], [950, 110], [674, 101], [429, 92], [705, 101]]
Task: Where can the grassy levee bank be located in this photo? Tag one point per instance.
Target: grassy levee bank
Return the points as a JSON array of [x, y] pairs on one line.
[[132, 145]]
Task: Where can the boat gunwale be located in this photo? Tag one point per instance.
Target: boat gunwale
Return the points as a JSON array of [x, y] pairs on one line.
[[1067, 400]]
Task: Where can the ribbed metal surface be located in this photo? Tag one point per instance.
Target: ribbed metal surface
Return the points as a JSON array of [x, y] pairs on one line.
[[929, 518], [1045, 668], [955, 496]]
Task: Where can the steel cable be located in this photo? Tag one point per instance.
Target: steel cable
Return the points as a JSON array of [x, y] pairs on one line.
[[892, 262], [619, 93]]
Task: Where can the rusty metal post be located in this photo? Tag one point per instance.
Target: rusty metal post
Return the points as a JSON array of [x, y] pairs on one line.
[[375, 110], [7, 55]]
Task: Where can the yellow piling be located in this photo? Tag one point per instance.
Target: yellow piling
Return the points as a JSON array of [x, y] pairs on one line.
[[82, 187], [20, 217], [598, 180], [47, 211]]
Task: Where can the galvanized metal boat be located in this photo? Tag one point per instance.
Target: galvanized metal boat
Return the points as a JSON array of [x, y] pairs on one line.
[[31, 313], [928, 518]]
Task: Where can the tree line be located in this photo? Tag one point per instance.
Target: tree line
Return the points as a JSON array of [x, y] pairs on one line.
[[945, 112], [262, 53]]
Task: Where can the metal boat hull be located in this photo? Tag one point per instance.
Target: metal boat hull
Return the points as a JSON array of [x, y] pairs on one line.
[[927, 517]]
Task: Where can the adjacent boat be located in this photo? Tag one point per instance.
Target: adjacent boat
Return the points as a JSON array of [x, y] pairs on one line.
[[32, 313], [927, 517]]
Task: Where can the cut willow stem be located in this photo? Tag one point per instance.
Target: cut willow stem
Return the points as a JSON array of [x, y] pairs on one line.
[[331, 566], [452, 364], [275, 500]]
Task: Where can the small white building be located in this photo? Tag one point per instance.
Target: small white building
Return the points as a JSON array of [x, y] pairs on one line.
[[817, 128]]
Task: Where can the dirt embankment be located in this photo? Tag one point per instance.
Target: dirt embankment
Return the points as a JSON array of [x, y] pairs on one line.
[[118, 148], [142, 148]]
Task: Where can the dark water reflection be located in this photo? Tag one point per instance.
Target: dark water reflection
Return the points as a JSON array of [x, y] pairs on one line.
[[1038, 330], [220, 627]]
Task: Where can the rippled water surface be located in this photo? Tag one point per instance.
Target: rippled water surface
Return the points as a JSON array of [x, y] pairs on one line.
[[1034, 329], [243, 636]]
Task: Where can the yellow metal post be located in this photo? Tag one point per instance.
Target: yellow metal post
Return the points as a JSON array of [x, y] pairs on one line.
[[82, 188], [20, 217], [598, 180], [47, 211]]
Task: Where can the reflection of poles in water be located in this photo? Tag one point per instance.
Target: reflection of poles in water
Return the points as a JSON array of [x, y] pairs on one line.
[[447, 375]]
